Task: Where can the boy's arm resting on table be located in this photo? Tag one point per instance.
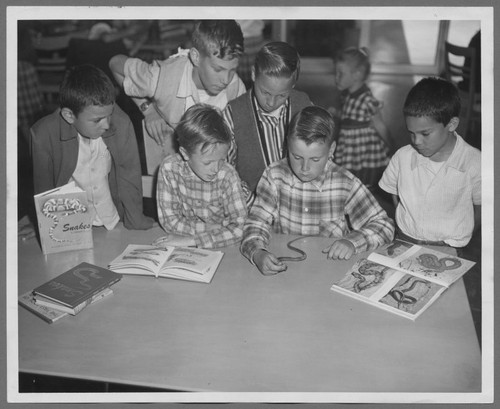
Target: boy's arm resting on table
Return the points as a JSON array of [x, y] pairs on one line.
[[205, 235], [129, 181], [235, 213], [257, 229], [371, 225]]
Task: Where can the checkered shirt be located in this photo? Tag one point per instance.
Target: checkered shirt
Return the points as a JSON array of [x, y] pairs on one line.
[[211, 212], [289, 206]]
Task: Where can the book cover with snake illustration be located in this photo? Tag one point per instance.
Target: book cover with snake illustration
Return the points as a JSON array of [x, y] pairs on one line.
[[64, 222], [78, 284], [402, 278]]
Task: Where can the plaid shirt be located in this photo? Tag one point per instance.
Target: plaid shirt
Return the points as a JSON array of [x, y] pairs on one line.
[[316, 208], [212, 212]]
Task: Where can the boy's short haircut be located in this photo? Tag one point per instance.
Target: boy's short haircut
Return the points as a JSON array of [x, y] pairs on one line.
[[433, 97], [358, 58], [86, 85], [312, 124], [202, 125], [277, 59], [220, 38]]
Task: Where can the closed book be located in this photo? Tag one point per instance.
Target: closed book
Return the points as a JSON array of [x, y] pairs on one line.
[[50, 315], [78, 284], [64, 221], [44, 302]]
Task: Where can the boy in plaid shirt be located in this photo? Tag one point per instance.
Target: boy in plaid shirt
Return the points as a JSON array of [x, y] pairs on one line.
[[199, 195], [308, 194]]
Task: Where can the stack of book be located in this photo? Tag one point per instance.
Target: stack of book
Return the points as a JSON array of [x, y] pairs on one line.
[[70, 292]]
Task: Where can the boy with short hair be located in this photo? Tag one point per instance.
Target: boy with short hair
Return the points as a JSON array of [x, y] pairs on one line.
[[206, 73], [91, 141], [199, 195], [436, 180], [308, 194], [258, 120]]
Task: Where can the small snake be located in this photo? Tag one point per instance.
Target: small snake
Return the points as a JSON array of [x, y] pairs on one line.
[[302, 256]]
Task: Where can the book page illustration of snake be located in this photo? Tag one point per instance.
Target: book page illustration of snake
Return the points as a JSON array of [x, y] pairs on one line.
[[433, 264], [404, 294], [365, 271], [59, 208]]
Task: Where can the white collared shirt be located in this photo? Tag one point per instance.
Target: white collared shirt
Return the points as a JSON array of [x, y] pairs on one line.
[[91, 174], [436, 203]]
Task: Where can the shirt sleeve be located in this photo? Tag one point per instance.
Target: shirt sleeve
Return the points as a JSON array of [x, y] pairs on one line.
[[233, 149], [141, 78], [370, 223], [389, 179], [476, 183], [257, 230], [129, 180]]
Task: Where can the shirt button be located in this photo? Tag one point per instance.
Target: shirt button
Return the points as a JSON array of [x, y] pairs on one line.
[[306, 209]]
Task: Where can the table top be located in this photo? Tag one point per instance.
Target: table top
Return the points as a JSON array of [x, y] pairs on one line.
[[245, 332]]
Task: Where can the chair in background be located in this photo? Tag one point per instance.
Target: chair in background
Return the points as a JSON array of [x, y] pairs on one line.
[[51, 52], [461, 68]]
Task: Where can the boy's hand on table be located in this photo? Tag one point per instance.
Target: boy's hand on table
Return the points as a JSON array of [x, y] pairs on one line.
[[268, 263], [341, 249], [175, 240]]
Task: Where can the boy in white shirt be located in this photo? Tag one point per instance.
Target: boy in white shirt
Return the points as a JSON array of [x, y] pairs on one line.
[[436, 180]]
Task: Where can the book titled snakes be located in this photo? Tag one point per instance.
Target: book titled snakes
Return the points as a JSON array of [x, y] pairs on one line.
[[402, 278], [64, 220]]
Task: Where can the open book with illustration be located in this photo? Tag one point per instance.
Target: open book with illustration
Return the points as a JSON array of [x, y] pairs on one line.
[[402, 278], [183, 263]]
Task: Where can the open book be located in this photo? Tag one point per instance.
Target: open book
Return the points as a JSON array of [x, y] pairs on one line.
[[402, 278], [183, 263]]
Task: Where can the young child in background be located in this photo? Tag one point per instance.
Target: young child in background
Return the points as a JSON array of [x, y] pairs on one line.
[[164, 90], [308, 194], [364, 141], [258, 120], [199, 196], [91, 141], [435, 181]]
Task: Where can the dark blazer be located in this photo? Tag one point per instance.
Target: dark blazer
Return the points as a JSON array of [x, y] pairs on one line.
[[250, 162], [54, 149]]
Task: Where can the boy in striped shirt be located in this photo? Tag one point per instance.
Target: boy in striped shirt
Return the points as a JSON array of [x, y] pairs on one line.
[[308, 194]]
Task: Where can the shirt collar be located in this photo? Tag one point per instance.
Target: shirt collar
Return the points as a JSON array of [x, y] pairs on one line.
[[277, 114], [452, 162], [186, 85], [318, 182]]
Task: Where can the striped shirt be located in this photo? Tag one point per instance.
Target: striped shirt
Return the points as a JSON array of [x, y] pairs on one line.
[[289, 206], [272, 128], [436, 204], [213, 213]]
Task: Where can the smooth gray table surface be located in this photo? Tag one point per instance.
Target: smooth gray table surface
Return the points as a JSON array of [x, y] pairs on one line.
[[245, 332]]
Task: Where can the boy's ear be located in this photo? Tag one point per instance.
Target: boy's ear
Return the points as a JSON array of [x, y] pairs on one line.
[[253, 74], [68, 115], [453, 124], [194, 56], [184, 153], [332, 149]]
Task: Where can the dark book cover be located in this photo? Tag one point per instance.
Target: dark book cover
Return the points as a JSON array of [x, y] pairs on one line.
[[78, 284]]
